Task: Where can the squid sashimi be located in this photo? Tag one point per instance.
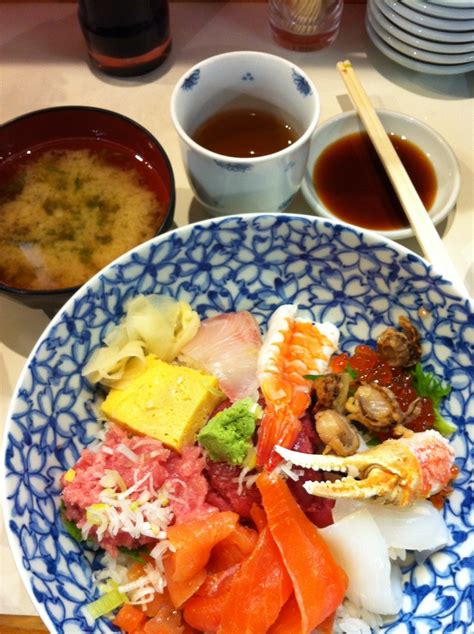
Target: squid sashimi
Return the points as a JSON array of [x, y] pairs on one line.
[[227, 346], [418, 527], [374, 583], [319, 582], [292, 349], [259, 589]]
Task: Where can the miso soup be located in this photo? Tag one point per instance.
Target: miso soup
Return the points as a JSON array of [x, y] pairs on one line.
[[67, 210]]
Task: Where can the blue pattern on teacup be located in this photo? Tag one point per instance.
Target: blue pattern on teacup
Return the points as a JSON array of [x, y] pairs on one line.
[[191, 81], [233, 167], [282, 206], [301, 83], [248, 77], [253, 263]]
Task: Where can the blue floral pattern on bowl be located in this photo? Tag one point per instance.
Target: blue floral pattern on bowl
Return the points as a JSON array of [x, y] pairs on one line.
[[256, 262]]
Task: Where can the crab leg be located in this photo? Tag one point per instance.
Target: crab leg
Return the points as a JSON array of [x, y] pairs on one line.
[[396, 471]]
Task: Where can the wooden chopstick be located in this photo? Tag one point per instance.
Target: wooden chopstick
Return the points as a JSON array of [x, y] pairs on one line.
[[420, 221]]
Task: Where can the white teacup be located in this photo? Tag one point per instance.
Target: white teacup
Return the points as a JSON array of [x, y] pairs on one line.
[[225, 184]]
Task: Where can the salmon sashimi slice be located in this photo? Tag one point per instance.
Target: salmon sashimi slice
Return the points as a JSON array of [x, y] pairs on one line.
[[227, 346], [194, 541], [289, 619], [319, 582], [292, 349], [259, 589], [181, 590], [258, 517], [204, 610], [233, 548]]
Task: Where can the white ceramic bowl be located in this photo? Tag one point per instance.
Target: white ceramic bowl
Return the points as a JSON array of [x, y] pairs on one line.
[[355, 279], [438, 151], [437, 35], [415, 52], [450, 23], [413, 40]]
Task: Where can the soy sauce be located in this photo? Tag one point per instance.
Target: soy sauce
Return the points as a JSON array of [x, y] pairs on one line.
[[126, 37], [245, 132], [352, 183]]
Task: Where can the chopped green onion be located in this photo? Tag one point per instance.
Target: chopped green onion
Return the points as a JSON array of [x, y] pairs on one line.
[[312, 377], [106, 603]]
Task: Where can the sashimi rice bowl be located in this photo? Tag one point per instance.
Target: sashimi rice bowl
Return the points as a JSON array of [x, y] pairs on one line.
[[252, 424]]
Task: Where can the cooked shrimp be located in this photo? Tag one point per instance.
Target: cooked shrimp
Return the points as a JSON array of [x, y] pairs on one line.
[[292, 349]]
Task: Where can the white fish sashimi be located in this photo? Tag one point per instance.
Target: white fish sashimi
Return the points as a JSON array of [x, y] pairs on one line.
[[227, 346], [359, 547]]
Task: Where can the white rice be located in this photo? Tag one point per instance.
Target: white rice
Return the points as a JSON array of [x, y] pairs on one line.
[[352, 619]]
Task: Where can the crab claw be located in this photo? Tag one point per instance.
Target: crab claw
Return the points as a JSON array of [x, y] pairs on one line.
[[394, 472]]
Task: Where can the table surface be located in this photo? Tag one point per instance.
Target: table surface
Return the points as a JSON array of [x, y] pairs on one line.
[[44, 63]]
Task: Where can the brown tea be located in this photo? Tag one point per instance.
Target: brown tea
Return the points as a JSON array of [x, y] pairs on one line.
[[245, 132], [352, 183]]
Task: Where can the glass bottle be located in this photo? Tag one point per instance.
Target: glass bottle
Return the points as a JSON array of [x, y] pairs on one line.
[[126, 37]]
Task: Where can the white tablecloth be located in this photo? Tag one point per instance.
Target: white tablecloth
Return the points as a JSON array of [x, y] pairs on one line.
[[43, 63]]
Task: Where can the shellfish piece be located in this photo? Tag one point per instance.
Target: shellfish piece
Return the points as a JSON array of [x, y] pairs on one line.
[[395, 472], [292, 349], [400, 348], [336, 432]]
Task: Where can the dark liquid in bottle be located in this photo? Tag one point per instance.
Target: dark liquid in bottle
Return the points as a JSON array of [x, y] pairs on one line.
[[126, 37], [352, 183], [245, 132]]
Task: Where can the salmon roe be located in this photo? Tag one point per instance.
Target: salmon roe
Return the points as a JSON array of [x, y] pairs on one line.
[[369, 367]]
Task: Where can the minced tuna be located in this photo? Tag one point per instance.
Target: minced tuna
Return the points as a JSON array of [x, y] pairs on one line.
[[128, 490]]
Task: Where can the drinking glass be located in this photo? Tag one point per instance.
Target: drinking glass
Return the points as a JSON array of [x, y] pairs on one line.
[[305, 25]]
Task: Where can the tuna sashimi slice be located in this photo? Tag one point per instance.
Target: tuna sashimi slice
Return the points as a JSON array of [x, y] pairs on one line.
[[319, 583], [259, 589], [227, 346]]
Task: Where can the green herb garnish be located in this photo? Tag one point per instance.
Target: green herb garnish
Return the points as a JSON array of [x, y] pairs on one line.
[[350, 371], [312, 377], [373, 442], [70, 526], [429, 386], [136, 553]]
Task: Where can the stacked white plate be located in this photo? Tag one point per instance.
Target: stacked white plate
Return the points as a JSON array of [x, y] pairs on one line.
[[428, 36]]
